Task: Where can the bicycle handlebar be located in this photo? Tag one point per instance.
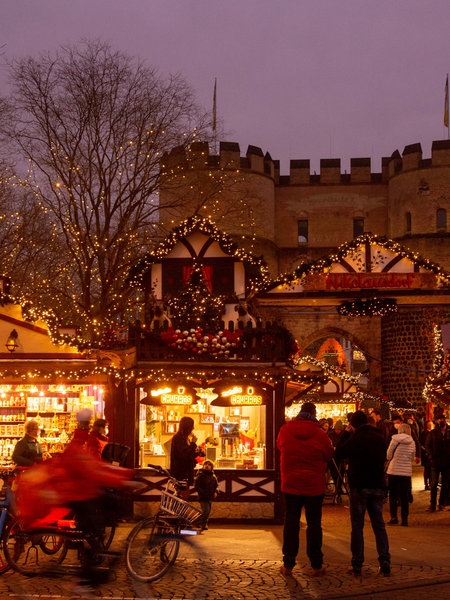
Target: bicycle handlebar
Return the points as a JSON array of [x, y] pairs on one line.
[[160, 469], [163, 471]]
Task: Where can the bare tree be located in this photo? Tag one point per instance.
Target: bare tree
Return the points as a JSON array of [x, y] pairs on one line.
[[93, 125]]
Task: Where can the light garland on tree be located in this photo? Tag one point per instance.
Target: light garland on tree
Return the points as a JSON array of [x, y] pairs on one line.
[[441, 375]]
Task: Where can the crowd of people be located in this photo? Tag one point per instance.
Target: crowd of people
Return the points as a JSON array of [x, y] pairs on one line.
[[372, 455], [375, 457]]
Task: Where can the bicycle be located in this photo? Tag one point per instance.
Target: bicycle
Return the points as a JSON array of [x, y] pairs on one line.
[[40, 550], [49, 544], [153, 544]]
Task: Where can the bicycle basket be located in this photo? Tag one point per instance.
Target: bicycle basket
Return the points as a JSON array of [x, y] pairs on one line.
[[178, 507]]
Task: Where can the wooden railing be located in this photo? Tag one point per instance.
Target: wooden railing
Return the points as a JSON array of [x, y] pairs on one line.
[[272, 343]]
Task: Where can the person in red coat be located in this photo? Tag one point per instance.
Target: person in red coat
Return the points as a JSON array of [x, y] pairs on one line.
[[305, 452], [97, 438]]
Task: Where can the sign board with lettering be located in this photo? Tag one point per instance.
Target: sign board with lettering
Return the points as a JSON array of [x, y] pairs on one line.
[[364, 281]]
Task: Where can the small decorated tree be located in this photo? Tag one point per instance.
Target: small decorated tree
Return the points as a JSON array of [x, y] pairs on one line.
[[195, 307]]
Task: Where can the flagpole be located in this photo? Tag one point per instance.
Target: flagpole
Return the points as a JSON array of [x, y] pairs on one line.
[[446, 109], [214, 116]]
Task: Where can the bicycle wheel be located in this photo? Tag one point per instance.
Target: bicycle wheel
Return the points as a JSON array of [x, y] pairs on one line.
[[4, 564], [24, 549], [51, 544], [152, 547]]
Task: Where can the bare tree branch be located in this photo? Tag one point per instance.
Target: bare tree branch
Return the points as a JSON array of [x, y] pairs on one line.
[[93, 125]]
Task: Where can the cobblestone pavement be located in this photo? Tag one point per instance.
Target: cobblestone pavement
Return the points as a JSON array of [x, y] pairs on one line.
[[242, 563], [194, 579]]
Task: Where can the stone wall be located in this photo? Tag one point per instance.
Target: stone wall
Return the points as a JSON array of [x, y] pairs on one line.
[[408, 352]]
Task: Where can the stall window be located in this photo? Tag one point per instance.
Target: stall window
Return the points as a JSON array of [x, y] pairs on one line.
[[218, 275]]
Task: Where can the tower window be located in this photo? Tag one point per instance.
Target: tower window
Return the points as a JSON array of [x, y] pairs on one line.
[[358, 226], [441, 219], [302, 231], [408, 222]]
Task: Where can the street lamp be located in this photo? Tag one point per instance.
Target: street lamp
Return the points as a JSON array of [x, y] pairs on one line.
[[11, 342]]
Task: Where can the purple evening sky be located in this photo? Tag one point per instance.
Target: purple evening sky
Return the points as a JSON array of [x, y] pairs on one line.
[[298, 78]]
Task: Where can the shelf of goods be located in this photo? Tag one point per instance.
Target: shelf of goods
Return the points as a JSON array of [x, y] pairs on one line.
[[12, 419], [56, 416]]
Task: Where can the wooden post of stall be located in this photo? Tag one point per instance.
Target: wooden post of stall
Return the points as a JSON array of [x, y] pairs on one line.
[[279, 419], [122, 416]]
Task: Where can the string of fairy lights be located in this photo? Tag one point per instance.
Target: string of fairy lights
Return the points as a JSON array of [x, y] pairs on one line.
[[355, 249], [438, 375], [260, 269]]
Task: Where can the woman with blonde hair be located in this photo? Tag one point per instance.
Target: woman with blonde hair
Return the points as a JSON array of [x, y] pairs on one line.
[[400, 454]]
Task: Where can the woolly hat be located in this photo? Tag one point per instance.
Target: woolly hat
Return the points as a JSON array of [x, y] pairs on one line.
[[84, 415], [309, 408]]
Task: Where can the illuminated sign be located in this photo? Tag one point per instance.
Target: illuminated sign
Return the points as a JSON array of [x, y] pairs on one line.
[[160, 391], [365, 281], [232, 392], [337, 281], [179, 398], [248, 399], [240, 400]]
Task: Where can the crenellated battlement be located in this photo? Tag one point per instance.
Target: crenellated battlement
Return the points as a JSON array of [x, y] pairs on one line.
[[199, 155]]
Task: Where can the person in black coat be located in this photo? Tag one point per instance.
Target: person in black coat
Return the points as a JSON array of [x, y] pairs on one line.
[[364, 447], [206, 485], [438, 449], [183, 452]]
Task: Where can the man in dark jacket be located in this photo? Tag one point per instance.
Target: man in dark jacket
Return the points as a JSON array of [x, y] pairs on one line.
[[28, 450], [305, 452], [385, 427], [365, 449]]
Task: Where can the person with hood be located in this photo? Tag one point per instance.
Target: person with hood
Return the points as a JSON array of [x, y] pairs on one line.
[[80, 434], [305, 451], [97, 438], [400, 455], [364, 447]]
